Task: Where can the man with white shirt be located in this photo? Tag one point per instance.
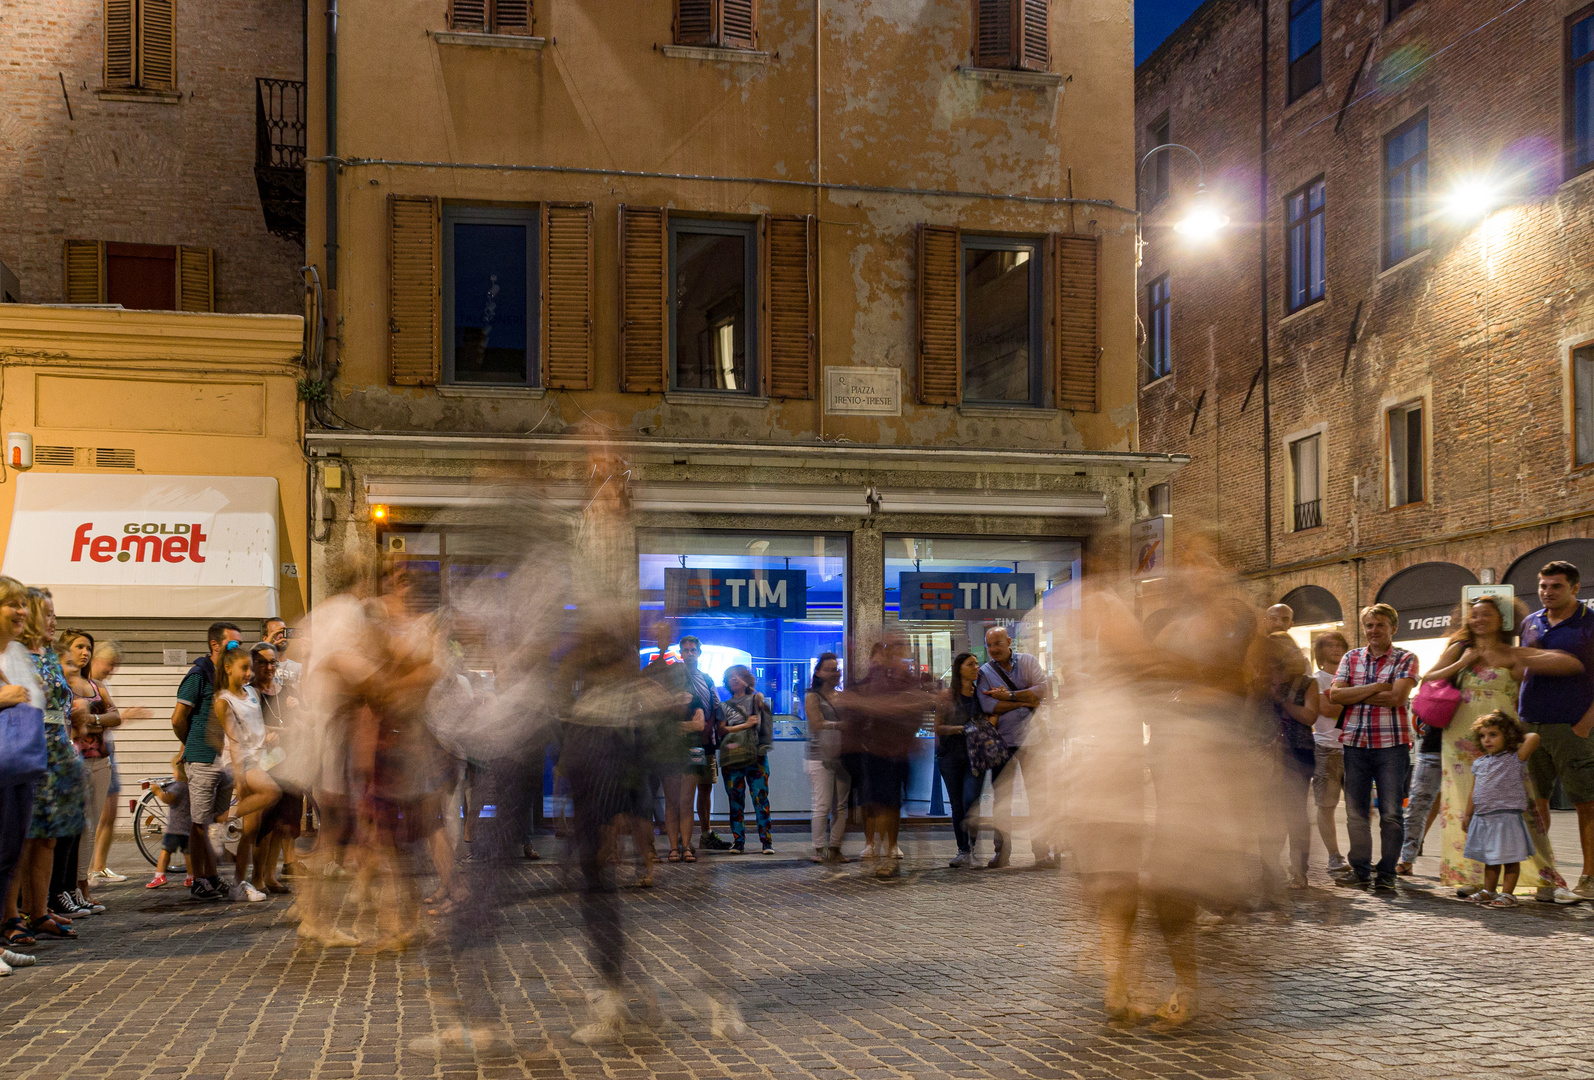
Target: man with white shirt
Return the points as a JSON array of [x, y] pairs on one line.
[[1010, 686], [1328, 779]]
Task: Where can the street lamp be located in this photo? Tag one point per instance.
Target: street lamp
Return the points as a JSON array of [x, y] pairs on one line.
[[1472, 199], [1202, 218]]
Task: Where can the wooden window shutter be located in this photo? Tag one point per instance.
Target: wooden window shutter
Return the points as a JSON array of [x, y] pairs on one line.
[[695, 23], [196, 279], [790, 304], [415, 267], [1078, 338], [940, 315], [468, 16], [644, 325], [118, 42], [157, 44], [512, 17], [85, 271], [993, 33], [567, 333], [739, 24], [1033, 40]]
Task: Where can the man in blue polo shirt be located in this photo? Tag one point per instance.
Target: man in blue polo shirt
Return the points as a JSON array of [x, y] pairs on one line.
[[1560, 708]]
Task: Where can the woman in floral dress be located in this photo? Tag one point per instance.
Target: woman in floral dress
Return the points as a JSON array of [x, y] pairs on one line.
[[1491, 671]]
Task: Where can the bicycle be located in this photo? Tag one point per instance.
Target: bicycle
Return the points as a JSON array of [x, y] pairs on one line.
[[149, 825]]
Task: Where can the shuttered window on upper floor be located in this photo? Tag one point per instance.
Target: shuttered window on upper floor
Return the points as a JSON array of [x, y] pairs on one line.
[[726, 24], [490, 296], [141, 44], [995, 312], [1012, 34], [515, 17], [149, 277]]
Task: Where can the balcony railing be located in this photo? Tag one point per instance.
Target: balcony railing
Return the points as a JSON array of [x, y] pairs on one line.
[[1308, 515], [279, 155]]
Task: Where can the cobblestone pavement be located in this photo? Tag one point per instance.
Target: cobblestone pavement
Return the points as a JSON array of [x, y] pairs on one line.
[[941, 973]]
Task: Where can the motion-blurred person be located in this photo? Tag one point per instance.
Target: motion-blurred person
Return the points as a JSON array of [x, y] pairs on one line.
[[1373, 683], [828, 777], [1278, 619], [280, 823], [746, 733], [107, 658], [706, 699], [209, 783], [956, 708], [1328, 770], [887, 708], [1289, 695], [1011, 686]]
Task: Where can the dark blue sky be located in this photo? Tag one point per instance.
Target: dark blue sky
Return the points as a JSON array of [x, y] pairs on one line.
[[1155, 20]]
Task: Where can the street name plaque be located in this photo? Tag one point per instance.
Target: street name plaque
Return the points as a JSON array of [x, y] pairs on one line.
[[863, 391]]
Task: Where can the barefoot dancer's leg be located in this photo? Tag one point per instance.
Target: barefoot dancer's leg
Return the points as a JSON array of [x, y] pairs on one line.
[[103, 835], [1176, 918], [1117, 900]]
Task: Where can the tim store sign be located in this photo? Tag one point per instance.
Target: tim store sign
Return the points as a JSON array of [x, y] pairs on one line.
[[146, 541]]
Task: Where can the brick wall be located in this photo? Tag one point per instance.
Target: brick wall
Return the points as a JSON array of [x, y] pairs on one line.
[[143, 171], [1489, 75]]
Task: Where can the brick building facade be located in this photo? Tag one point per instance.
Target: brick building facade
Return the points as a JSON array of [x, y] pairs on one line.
[[131, 125], [1377, 379]]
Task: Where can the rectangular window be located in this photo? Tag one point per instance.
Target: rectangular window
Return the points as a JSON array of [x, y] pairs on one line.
[[724, 24], [1159, 499], [713, 304], [1001, 321], [1580, 91], [1159, 329], [141, 276], [1405, 190], [1397, 7], [1583, 404], [490, 296], [1306, 46], [141, 44], [1406, 454], [1159, 134], [1308, 265], [1012, 34], [491, 17], [1305, 476]]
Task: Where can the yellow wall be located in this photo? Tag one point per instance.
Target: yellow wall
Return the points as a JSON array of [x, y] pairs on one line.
[[602, 95], [189, 394]]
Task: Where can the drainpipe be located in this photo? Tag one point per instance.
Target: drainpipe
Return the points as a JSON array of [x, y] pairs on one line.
[[331, 208], [1267, 362]]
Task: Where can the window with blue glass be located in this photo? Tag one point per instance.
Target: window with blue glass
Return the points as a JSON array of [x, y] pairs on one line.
[[713, 304], [1306, 46], [1580, 91], [1308, 265], [490, 296], [1406, 190], [1159, 329]]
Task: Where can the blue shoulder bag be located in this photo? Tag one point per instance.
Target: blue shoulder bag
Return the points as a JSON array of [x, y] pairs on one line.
[[23, 756]]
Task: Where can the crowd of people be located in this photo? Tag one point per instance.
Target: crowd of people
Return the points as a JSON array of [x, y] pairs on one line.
[[381, 736]]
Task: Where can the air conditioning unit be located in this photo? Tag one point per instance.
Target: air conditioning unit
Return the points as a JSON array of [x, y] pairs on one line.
[[394, 544]]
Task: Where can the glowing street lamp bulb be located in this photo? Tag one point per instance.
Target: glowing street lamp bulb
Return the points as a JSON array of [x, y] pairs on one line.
[[1202, 221], [379, 513], [1471, 199]]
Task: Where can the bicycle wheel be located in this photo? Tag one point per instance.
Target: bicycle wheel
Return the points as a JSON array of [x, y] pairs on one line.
[[149, 825]]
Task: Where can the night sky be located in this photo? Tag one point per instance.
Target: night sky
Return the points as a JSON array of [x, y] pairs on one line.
[[1155, 20]]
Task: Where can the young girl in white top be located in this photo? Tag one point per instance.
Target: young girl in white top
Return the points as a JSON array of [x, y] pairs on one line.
[[238, 708], [1497, 836]]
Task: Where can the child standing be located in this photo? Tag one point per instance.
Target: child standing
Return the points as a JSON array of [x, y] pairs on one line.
[[1497, 836], [175, 795]]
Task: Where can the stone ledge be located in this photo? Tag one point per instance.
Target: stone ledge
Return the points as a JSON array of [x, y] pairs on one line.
[[730, 398], [152, 97], [521, 392], [709, 52], [1013, 78], [1017, 411], [489, 41]]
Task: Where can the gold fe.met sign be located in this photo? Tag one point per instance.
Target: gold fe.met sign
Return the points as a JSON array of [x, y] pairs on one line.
[[863, 391]]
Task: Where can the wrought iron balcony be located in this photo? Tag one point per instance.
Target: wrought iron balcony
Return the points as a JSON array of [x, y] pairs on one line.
[[279, 155], [1308, 515]]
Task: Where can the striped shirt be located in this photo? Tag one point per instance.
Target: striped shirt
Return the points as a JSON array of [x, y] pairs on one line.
[[1376, 726]]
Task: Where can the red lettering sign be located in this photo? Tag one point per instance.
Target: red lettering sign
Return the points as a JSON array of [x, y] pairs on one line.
[[153, 546]]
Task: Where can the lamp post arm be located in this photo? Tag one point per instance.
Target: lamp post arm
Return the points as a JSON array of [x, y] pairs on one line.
[[1140, 172]]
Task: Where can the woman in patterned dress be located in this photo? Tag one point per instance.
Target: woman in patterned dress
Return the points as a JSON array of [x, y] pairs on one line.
[[1491, 671], [58, 797]]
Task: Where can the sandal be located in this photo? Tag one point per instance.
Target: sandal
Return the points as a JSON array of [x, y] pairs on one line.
[[674, 855], [15, 932], [689, 854], [1503, 900], [48, 927], [1403, 869]]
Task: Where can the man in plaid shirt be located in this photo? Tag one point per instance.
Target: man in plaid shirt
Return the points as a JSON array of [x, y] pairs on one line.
[[1373, 684]]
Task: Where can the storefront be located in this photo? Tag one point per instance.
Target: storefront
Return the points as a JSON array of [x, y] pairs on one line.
[[1428, 598], [1317, 612], [1524, 572]]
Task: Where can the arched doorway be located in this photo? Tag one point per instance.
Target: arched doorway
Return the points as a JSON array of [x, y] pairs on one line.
[[1524, 573], [1427, 597], [1317, 612]]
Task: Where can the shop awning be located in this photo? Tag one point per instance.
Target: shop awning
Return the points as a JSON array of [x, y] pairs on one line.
[[142, 546], [1426, 596]]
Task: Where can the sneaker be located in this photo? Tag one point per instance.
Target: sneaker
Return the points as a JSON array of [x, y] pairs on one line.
[[85, 903], [768, 850], [1555, 894], [1352, 880], [1386, 881], [714, 842], [896, 853], [998, 861], [963, 861], [5, 969], [106, 875], [63, 903], [868, 851], [736, 849], [245, 893], [1337, 864], [16, 959], [188, 882], [157, 881], [201, 889], [1585, 887]]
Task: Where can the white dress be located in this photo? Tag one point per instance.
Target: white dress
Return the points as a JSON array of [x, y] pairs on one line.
[[248, 725]]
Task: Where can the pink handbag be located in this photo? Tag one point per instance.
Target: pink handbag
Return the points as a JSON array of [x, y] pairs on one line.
[[1436, 703]]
